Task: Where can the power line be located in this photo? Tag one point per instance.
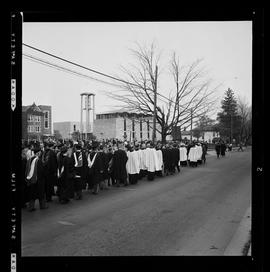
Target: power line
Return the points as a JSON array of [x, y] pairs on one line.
[[92, 70], [64, 69]]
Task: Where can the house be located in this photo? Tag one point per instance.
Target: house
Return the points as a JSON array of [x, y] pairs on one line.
[[36, 122]]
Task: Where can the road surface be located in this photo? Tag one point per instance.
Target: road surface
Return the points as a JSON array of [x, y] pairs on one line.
[[195, 212]]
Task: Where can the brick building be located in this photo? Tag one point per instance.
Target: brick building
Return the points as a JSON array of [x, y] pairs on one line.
[[124, 125], [36, 122]]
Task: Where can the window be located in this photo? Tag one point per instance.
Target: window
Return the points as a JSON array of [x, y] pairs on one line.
[[29, 117], [37, 129], [74, 127], [46, 124], [46, 114], [30, 129]]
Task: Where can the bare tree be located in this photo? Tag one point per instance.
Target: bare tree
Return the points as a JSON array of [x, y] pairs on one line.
[[190, 98], [244, 112]]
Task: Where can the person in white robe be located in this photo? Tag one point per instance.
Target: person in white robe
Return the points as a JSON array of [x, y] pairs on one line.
[[133, 165], [159, 161], [183, 155], [192, 156], [150, 160], [199, 153], [143, 168]]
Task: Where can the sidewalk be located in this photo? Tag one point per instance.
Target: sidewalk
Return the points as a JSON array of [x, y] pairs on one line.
[[241, 237]]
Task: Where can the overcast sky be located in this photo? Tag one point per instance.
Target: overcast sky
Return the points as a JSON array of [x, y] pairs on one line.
[[226, 49]]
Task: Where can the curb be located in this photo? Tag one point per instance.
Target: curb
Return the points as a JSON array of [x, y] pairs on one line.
[[241, 237]]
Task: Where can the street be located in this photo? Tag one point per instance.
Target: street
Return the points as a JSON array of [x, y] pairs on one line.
[[195, 212]]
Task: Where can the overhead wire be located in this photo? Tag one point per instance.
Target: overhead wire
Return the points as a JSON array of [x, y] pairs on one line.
[[94, 71]]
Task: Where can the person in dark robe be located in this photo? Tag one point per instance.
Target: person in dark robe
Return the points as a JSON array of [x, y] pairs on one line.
[[80, 168], [204, 151], [176, 158], [66, 174], [218, 149], [222, 149], [165, 154], [109, 156], [95, 169], [24, 187], [119, 161], [104, 163], [36, 181], [49, 161]]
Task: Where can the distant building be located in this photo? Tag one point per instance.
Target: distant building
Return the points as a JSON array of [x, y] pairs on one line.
[[66, 129], [124, 125], [208, 134], [36, 122]]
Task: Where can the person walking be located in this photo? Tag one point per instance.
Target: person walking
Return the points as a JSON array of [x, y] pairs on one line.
[[240, 147], [49, 161], [80, 164], [36, 181], [66, 175], [119, 161], [218, 148]]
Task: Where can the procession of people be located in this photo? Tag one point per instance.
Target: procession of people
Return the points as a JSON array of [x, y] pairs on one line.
[[65, 169]]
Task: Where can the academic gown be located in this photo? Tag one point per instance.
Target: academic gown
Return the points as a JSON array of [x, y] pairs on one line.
[[95, 172], [119, 165], [36, 190], [50, 171], [81, 172], [66, 178]]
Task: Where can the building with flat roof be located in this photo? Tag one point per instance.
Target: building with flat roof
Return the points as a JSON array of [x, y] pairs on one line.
[[124, 125]]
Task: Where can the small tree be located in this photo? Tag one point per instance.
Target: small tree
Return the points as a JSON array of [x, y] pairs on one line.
[[228, 118]]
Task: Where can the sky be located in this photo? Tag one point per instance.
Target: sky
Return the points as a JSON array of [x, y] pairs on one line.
[[225, 47]]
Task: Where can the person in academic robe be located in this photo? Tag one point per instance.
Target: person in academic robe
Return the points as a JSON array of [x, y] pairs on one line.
[[165, 155], [80, 166], [222, 149], [159, 161], [119, 161], [176, 158], [204, 151], [109, 156], [36, 181], [150, 160], [133, 165], [95, 169], [24, 187], [66, 174], [104, 162], [218, 149], [192, 156], [49, 161], [183, 155]]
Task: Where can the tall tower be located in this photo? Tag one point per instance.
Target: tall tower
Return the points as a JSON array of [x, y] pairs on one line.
[[87, 105]]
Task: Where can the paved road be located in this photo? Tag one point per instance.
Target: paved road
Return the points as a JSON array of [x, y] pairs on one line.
[[195, 212]]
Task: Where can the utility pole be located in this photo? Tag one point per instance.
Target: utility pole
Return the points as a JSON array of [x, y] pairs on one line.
[[155, 106]]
